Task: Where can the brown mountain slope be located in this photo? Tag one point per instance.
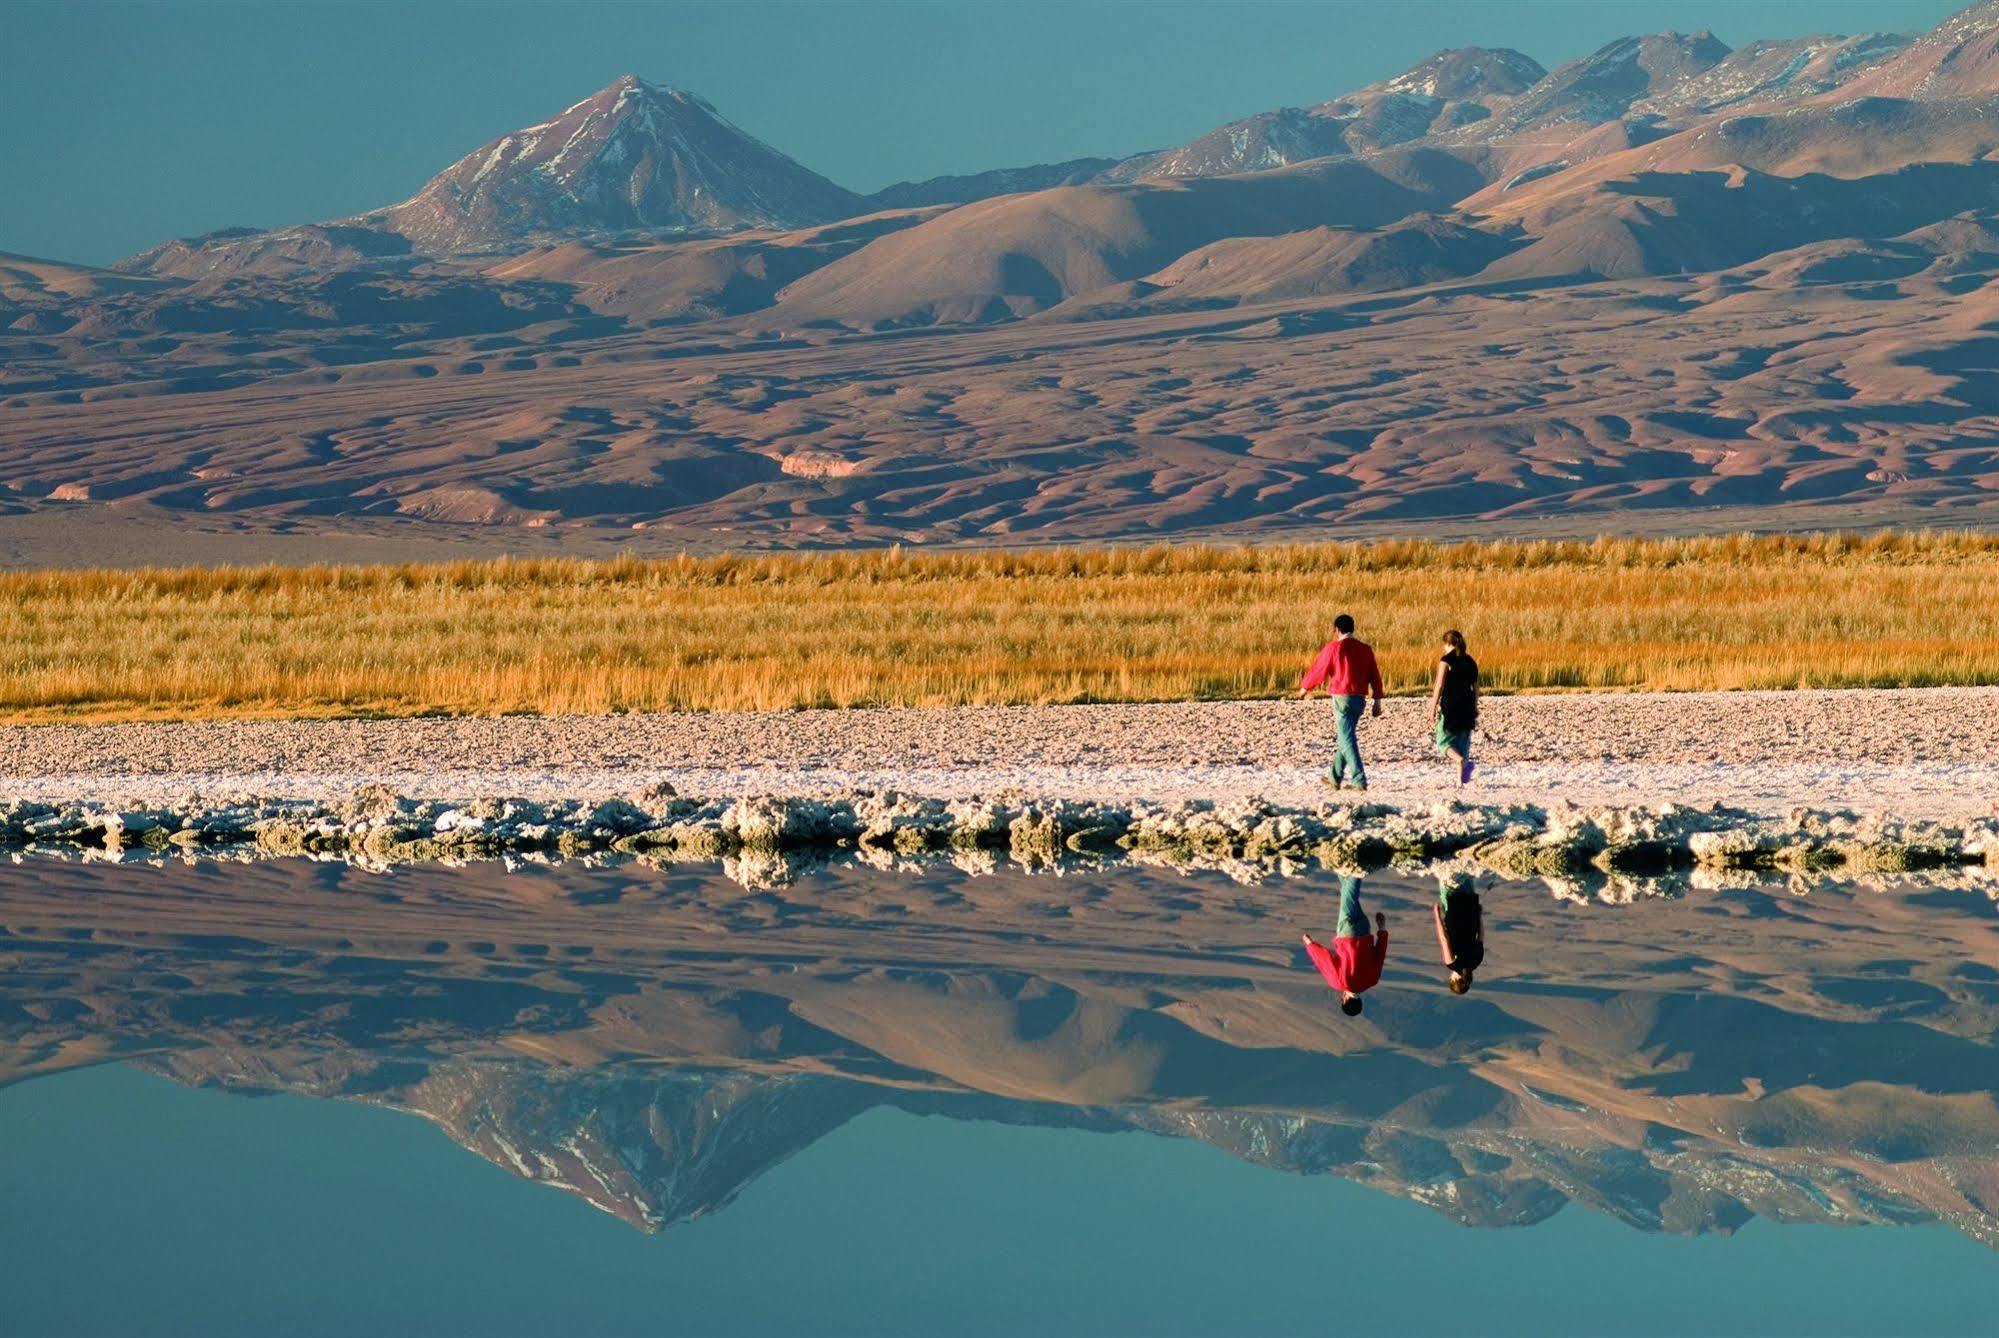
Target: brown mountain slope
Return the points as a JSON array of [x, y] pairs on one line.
[[651, 280], [1848, 140], [1449, 90], [313, 248], [1016, 255], [1958, 58], [1767, 72], [48, 297], [1328, 261], [1725, 192], [967, 187], [27, 279], [1679, 223]]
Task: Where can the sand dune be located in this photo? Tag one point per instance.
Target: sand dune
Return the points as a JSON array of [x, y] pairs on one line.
[[1750, 387], [1325, 261]]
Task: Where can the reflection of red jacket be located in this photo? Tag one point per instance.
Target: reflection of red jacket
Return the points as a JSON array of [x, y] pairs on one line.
[[1347, 668], [1352, 964]]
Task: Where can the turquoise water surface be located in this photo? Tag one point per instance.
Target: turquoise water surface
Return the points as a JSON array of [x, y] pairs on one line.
[[292, 1098], [138, 1206]]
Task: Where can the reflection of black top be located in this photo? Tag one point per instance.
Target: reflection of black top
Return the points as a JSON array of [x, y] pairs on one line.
[[1458, 707], [1463, 921]]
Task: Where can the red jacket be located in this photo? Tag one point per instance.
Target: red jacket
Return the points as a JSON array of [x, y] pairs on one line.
[[1347, 668], [1352, 964]]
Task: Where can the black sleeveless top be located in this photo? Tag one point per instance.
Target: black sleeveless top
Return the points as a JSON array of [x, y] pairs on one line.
[[1458, 708], [1464, 918]]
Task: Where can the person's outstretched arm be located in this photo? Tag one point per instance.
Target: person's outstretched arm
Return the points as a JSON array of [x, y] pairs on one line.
[[1322, 959], [1320, 667], [1380, 939], [1437, 692], [1443, 940]]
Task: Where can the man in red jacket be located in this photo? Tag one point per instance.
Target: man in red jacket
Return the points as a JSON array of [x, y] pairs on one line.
[[1353, 963], [1346, 666]]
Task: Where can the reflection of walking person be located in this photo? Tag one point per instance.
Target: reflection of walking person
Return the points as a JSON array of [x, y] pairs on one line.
[[1353, 963], [1346, 666], [1460, 928], [1454, 702]]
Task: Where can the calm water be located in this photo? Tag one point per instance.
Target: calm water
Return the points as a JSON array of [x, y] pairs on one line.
[[628, 1100]]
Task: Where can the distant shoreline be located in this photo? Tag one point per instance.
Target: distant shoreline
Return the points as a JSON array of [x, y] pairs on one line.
[[47, 535]]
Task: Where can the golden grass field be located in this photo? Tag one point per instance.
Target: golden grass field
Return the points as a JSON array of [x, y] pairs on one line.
[[879, 627]]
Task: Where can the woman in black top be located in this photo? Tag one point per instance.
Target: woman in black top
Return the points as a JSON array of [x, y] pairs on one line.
[[1454, 702], [1460, 928]]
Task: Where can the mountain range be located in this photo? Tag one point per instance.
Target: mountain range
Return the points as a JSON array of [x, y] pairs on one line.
[[1669, 283]]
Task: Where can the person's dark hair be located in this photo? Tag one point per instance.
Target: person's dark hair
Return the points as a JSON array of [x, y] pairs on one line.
[[1461, 982], [1351, 1007], [1456, 641], [1344, 623]]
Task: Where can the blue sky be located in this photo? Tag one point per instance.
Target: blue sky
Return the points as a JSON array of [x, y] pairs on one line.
[[129, 123]]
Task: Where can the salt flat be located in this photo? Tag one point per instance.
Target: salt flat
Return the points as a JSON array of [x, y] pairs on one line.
[[1930, 753]]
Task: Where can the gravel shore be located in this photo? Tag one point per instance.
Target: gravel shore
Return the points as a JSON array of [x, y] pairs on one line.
[[1929, 753]]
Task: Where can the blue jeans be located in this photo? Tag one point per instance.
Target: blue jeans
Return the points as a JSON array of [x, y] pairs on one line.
[[1347, 712], [1353, 916]]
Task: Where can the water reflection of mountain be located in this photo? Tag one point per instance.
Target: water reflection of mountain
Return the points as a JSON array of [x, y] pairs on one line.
[[655, 1042]]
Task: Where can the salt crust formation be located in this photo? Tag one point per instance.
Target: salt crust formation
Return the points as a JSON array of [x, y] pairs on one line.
[[1594, 851]]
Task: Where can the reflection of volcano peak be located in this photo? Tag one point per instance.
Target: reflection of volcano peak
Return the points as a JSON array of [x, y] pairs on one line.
[[655, 1147], [652, 1150], [657, 1051]]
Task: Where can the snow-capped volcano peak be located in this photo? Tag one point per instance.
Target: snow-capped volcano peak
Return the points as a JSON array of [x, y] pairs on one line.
[[632, 155], [1466, 72]]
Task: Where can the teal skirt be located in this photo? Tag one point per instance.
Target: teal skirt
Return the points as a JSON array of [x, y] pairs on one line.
[[1453, 740]]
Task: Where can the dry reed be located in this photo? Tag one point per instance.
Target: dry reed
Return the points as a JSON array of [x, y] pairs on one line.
[[887, 627]]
